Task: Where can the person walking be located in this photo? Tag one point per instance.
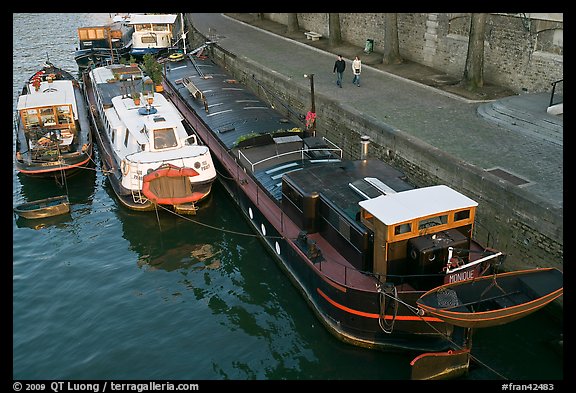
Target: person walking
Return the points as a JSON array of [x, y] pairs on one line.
[[356, 69], [339, 67]]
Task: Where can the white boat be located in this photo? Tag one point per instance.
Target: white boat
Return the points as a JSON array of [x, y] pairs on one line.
[[149, 155], [153, 33]]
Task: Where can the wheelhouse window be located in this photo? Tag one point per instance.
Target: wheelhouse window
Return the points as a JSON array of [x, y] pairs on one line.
[[432, 221], [462, 215], [30, 118], [64, 115], [47, 116], [148, 39], [164, 138], [403, 228]]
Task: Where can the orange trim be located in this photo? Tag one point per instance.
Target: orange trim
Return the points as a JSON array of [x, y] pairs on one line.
[[60, 168], [470, 317], [450, 352], [375, 316]]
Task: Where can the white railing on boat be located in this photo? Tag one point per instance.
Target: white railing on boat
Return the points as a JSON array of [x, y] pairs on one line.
[[300, 151], [466, 266]]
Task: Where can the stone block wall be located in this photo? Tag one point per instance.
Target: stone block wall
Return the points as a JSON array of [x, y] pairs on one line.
[[522, 53]]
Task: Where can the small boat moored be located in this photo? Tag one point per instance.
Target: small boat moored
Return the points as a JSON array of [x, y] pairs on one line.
[[42, 208], [494, 299], [53, 136]]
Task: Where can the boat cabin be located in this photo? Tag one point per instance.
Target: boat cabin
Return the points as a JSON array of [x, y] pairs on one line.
[[413, 230], [152, 33], [116, 35], [49, 108]]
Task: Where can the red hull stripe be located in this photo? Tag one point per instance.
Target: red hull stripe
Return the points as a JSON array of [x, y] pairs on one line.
[[62, 168], [375, 316]]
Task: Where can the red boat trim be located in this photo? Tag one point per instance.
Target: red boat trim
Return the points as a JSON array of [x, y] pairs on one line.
[[450, 352], [375, 316], [169, 170], [60, 168]]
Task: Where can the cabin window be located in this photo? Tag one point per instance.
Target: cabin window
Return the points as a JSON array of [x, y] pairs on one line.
[[126, 139], [403, 228], [146, 39], [432, 222], [160, 28], [164, 138], [47, 116], [30, 118], [64, 115], [462, 215]]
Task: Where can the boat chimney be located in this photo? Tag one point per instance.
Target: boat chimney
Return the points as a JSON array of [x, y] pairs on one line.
[[365, 141]]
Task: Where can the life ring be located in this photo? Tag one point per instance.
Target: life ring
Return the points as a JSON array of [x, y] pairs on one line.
[[124, 167]]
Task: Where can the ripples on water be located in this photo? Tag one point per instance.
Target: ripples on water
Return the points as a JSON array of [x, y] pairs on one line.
[[106, 293]]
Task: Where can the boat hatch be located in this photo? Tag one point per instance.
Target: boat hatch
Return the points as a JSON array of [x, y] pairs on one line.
[[370, 187]]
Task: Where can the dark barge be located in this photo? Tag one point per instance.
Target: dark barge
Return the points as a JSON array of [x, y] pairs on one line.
[[360, 242]]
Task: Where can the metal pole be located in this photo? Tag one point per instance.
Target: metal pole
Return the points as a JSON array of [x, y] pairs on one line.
[[313, 104]]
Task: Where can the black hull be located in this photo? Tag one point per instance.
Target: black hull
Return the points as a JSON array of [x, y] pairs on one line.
[[350, 328], [351, 314]]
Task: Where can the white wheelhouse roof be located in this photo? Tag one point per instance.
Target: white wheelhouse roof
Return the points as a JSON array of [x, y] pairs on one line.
[[141, 19], [420, 202], [59, 92]]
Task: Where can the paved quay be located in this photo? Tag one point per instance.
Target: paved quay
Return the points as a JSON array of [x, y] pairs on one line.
[[513, 137]]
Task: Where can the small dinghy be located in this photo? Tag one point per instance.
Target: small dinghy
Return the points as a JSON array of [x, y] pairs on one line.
[[493, 300], [42, 208]]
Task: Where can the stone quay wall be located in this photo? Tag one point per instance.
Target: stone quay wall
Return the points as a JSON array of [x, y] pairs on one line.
[[523, 52]]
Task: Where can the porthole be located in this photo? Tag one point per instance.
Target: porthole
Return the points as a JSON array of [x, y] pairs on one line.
[[250, 213], [277, 248], [263, 229]]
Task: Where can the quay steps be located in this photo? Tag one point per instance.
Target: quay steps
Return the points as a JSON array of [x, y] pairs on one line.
[[526, 114]]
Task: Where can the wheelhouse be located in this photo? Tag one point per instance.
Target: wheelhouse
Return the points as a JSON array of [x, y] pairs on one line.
[[414, 229]]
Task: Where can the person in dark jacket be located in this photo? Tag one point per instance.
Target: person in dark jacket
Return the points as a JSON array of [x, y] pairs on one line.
[[339, 67]]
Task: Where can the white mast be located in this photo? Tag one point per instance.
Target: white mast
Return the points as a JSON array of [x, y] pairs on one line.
[[183, 33]]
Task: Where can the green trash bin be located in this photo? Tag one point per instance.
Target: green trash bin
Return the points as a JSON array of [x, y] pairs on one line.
[[369, 48]]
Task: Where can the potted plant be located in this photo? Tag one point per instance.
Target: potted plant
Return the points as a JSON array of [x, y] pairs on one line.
[[136, 98], [154, 70]]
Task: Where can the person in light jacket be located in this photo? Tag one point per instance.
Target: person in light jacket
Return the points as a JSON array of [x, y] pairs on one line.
[[356, 70]]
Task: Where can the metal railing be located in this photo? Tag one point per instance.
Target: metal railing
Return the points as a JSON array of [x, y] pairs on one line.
[[301, 151], [554, 92]]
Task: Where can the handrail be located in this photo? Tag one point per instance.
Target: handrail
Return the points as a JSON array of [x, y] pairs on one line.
[[253, 165], [553, 91]]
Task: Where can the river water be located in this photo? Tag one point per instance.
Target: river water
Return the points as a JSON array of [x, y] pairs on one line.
[[106, 293]]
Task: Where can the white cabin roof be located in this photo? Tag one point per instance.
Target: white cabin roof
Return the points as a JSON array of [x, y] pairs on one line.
[[407, 205], [59, 92], [165, 117], [138, 19]]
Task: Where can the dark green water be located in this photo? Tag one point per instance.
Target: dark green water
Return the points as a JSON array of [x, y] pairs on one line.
[[107, 293]]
